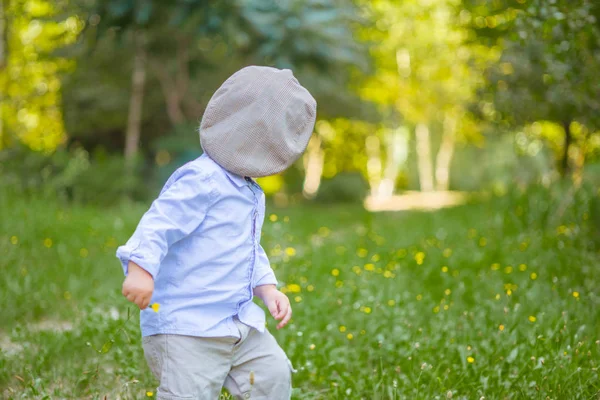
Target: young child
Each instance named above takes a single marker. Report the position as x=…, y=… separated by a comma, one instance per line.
x=196, y=253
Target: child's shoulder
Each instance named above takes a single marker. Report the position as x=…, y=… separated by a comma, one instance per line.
x=202, y=167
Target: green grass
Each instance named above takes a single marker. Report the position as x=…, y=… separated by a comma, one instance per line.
x=497, y=299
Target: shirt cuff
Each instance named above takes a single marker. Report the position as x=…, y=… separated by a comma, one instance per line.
x=129, y=253
x=267, y=279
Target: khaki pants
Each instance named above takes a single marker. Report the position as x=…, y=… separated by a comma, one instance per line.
x=253, y=367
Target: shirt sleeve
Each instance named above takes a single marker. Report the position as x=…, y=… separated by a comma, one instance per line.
x=264, y=274
x=177, y=212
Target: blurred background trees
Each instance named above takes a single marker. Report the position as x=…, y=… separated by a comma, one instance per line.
x=413, y=94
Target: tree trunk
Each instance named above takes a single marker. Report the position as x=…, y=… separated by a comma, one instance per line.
x=424, y=158
x=565, y=160
x=313, y=167
x=445, y=153
x=396, y=143
x=3, y=41
x=136, y=100
x=372, y=146
x=175, y=87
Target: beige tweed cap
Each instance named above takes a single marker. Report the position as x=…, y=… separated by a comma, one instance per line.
x=258, y=122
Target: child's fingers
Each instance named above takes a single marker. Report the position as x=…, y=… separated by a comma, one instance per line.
x=131, y=297
x=273, y=309
x=283, y=309
x=286, y=319
x=146, y=303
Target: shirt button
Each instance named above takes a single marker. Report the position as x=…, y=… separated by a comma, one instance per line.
x=246, y=395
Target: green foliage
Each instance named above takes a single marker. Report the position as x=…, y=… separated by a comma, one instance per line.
x=345, y=187
x=99, y=179
x=496, y=300
x=30, y=87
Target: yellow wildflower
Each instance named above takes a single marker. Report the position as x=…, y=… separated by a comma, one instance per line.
x=294, y=288
x=470, y=359
x=155, y=307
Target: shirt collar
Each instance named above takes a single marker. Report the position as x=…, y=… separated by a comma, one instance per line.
x=238, y=180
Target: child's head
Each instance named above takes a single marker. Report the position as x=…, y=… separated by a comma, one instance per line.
x=258, y=122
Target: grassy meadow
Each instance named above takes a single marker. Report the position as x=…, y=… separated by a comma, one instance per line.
x=499, y=299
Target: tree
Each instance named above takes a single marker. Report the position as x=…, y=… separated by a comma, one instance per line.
x=306, y=34
x=549, y=68
x=425, y=73
x=30, y=95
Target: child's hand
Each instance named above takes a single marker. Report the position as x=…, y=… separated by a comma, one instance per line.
x=138, y=285
x=277, y=303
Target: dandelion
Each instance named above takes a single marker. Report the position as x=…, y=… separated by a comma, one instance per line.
x=362, y=253
x=350, y=336
x=391, y=303
x=290, y=251
x=273, y=218
x=420, y=257
x=497, y=296
x=447, y=292
x=388, y=274
x=501, y=327
x=339, y=284
x=369, y=267
x=470, y=360
x=495, y=267
x=335, y=272
x=419, y=297
x=522, y=267
x=342, y=328
x=482, y=242
x=312, y=346
x=444, y=269
x=363, y=332
x=508, y=269
x=376, y=258
x=298, y=299
x=576, y=295
x=48, y=242
x=149, y=394
x=14, y=239
x=532, y=318
x=533, y=276
x=155, y=307
x=367, y=310
x=436, y=309
x=294, y=288
x=446, y=307
x=310, y=288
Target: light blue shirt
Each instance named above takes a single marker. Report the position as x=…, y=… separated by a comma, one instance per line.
x=200, y=241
